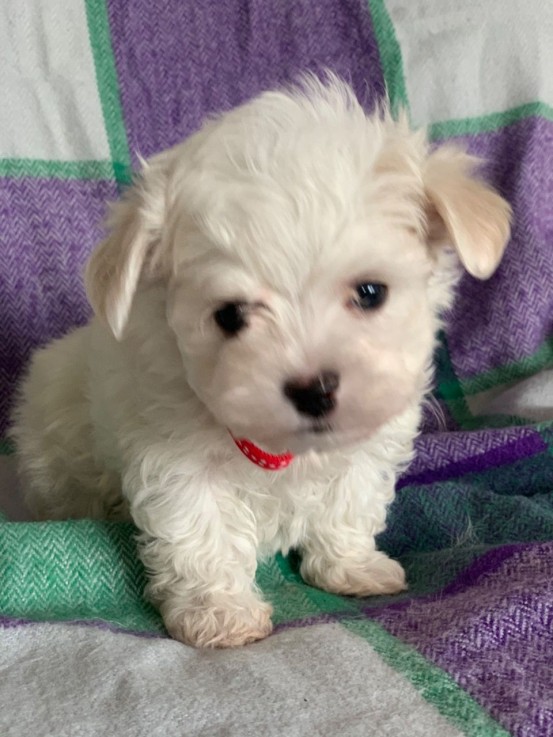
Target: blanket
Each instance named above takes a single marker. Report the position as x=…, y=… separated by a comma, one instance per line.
x=88, y=86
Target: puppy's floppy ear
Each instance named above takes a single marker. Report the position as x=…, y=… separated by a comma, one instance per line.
x=133, y=244
x=465, y=212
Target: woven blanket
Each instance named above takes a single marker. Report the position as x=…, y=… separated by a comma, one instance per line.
x=89, y=85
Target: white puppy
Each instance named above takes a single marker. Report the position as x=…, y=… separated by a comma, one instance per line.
x=276, y=279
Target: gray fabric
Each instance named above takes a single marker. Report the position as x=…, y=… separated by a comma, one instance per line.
x=531, y=399
x=62, y=680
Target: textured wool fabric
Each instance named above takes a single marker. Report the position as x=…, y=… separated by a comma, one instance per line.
x=53, y=110
x=505, y=39
x=325, y=681
x=87, y=86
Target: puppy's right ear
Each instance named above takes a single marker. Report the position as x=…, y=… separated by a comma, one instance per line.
x=134, y=241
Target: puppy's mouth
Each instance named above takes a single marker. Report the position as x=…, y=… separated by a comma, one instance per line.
x=317, y=428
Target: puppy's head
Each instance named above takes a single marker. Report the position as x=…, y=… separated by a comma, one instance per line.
x=307, y=251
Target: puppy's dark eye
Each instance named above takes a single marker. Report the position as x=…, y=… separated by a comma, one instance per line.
x=231, y=317
x=369, y=295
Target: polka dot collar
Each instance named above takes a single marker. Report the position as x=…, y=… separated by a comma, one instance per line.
x=261, y=458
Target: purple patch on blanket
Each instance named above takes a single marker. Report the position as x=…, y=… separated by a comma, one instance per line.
x=49, y=227
x=509, y=317
x=179, y=61
x=449, y=454
x=491, y=631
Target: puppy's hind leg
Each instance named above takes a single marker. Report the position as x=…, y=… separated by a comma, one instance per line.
x=54, y=440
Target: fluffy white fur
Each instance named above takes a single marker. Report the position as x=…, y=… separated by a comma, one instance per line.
x=285, y=203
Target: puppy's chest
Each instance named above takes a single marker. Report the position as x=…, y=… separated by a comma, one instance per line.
x=285, y=510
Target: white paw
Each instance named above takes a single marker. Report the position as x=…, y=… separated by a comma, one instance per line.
x=378, y=574
x=218, y=625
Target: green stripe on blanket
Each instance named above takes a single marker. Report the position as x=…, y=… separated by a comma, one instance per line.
x=41, y=168
x=434, y=685
x=492, y=122
x=88, y=571
x=108, y=87
x=73, y=570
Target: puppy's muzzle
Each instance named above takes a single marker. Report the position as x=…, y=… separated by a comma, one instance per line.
x=316, y=397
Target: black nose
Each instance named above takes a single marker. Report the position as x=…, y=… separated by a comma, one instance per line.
x=316, y=397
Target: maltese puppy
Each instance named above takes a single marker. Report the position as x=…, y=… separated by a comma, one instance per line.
x=266, y=306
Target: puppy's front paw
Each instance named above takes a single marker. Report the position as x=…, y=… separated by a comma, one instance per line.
x=377, y=574
x=217, y=625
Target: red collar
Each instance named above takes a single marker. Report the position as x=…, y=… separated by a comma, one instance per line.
x=261, y=458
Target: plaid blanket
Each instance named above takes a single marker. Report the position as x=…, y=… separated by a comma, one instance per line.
x=87, y=86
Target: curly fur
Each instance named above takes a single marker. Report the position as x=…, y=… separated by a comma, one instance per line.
x=284, y=203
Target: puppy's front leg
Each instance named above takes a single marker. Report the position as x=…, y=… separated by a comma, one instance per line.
x=339, y=550
x=198, y=543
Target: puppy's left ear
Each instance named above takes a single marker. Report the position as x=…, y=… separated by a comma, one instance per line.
x=465, y=212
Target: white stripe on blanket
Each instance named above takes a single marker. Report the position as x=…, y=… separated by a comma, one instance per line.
x=467, y=59
x=78, y=681
x=50, y=104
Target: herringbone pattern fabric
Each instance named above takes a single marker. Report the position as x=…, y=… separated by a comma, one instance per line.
x=73, y=570
x=90, y=84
